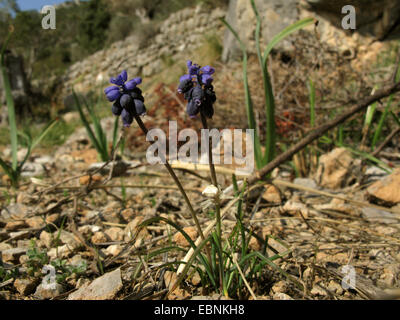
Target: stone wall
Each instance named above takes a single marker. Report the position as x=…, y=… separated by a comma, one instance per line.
x=182, y=31
x=374, y=19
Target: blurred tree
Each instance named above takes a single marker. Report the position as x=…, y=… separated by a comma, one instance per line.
x=28, y=37
x=8, y=7
x=93, y=25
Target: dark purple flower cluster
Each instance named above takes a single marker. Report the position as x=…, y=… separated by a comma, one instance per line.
x=127, y=97
x=198, y=90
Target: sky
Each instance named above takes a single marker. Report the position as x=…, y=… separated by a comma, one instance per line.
x=36, y=4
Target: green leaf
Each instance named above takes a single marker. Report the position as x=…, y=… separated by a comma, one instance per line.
x=44, y=132
x=190, y=262
x=86, y=124
x=381, y=122
x=284, y=33
x=395, y=118
x=165, y=250
x=270, y=135
x=188, y=239
x=369, y=157
x=249, y=104
x=385, y=114
x=276, y=267
x=100, y=135
x=10, y=105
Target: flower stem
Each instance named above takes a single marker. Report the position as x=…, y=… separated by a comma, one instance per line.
x=176, y=180
x=216, y=199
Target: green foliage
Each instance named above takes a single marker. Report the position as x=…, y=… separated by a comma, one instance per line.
x=58, y=135
x=37, y=259
x=384, y=116
x=14, y=169
x=63, y=270
x=7, y=274
x=80, y=31
x=24, y=22
x=270, y=136
x=98, y=136
x=222, y=271
x=93, y=25
x=9, y=6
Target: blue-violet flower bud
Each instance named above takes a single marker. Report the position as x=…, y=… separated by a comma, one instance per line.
x=197, y=89
x=127, y=97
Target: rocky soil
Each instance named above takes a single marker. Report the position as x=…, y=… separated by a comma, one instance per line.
x=340, y=217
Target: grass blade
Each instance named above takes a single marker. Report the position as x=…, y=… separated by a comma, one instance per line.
x=188, y=239
x=101, y=137
x=270, y=137
x=280, y=270
x=381, y=122
x=43, y=133
x=10, y=104
x=189, y=263
x=284, y=33
x=87, y=125
x=249, y=104
x=385, y=114
x=164, y=250
x=371, y=158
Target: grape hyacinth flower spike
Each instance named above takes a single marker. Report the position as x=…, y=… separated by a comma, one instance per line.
x=199, y=93
x=197, y=90
x=127, y=98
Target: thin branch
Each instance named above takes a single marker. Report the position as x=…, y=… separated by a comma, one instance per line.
x=242, y=275
x=321, y=130
x=385, y=142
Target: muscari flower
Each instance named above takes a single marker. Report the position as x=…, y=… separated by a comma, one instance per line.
x=127, y=98
x=198, y=90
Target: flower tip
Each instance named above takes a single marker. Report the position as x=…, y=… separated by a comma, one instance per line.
x=124, y=75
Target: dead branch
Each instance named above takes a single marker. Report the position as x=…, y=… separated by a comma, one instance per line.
x=321, y=130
